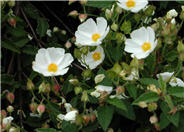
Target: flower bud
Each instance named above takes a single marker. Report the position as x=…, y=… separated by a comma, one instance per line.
x=114, y=27
x=71, y=1
x=77, y=53
x=99, y=78
x=137, y=17
x=171, y=14
x=84, y=50
x=142, y=104
x=92, y=117
x=152, y=107
x=87, y=73
x=11, y=3
x=120, y=90
x=33, y=106
x=74, y=81
x=182, y=15
x=14, y=129
x=84, y=97
x=126, y=27
x=73, y=13
x=153, y=88
x=3, y=114
x=77, y=90
x=41, y=109
x=86, y=118
x=82, y=17
x=180, y=47
x=44, y=87
x=63, y=32
x=30, y=85
x=150, y=10
x=108, y=14
x=83, y=2
x=68, y=45
x=10, y=109
x=10, y=97
x=56, y=88
x=55, y=29
x=120, y=38
x=117, y=68
x=119, y=10
x=110, y=130
x=12, y=22
x=153, y=119
x=6, y=122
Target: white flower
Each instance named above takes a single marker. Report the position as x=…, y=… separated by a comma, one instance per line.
x=94, y=58
x=70, y=116
x=134, y=75
x=132, y=5
x=166, y=76
x=123, y=96
x=173, y=21
x=68, y=107
x=142, y=42
x=91, y=33
x=171, y=14
x=95, y=94
x=99, y=78
x=52, y=61
x=101, y=88
x=7, y=121
x=49, y=32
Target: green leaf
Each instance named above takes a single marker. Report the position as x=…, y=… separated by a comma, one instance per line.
x=148, y=81
x=129, y=113
x=106, y=81
x=42, y=26
x=146, y=97
x=17, y=32
x=30, y=50
x=7, y=79
x=105, y=114
x=69, y=127
x=20, y=43
x=174, y=119
x=31, y=11
x=53, y=111
x=118, y=103
x=176, y=91
x=10, y=46
x=172, y=55
x=46, y=130
x=100, y=4
x=132, y=90
x=67, y=87
x=164, y=122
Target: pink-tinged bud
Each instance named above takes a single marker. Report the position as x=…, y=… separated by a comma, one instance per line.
x=10, y=109
x=82, y=17
x=83, y=2
x=56, y=88
x=3, y=113
x=153, y=119
x=41, y=109
x=86, y=118
x=68, y=44
x=33, y=107
x=93, y=117
x=73, y=13
x=120, y=90
x=12, y=22
x=10, y=97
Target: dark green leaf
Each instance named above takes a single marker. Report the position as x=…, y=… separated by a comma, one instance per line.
x=164, y=122
x=53, y=111
x=148, y=81
x=132, y=90
x=100, y=4
x=10, y=46
x=42, y=26
x=46, y=130
x=20, y=43
x=118, y=103
x=30, y=50
x=147, y=97
x=176, y=91
x=105, y=114
x=69, y=127
x=67, y=87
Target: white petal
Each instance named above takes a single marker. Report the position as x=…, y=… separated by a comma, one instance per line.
x=102, y=88
x=56, y=54
x=71, y=116
x=67, y=60
x=165, y=76
x=101, y=25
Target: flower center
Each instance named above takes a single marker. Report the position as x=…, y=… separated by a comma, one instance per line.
x=96, y=56
x=52, y=67
x=130, y=3
x=95, y=37
x=146, y=46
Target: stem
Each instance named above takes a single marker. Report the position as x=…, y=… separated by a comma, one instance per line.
x=51, y=12
x=35, y=96
x=29, y=24
x=79, y=67
x=54, y=78
x=11, y=63
x=84, y=8
x=124, y=17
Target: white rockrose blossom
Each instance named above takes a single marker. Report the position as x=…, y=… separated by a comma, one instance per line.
x=134, y=75
x=132, y=5
x=93, y=59
x=171, y=14
x=68, y=107
x=69, y=116
x=6, y=122
x=92, y=33
x=100, y=89
x=52, y=61
x=142, y=42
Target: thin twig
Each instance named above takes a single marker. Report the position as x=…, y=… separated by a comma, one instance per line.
x=58, y=85
x=59, y=19
x=11, y=63
x=78, y=66
x=34, y=34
